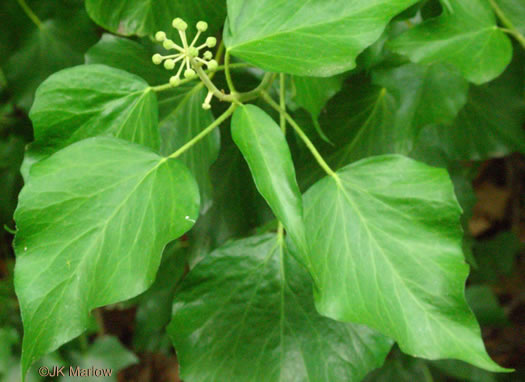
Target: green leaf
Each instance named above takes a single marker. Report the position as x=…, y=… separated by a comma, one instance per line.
x=105, y=353
x=401, y=369
x=92, y=222
x=154, y=309
x=246, y=313
x=184, y=122
x=91, y=100
x=142, y=18
x=57, y=44
x=466, y=35
x=385, y=251
x=317, y=38
x=490, y=124
x=386, y=117
x=264, y=147
x=128, y=55
x=312, y=93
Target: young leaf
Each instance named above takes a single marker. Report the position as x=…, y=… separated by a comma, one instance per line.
x=466, y=35
x=184, y=122
x=142, y=18
x=91, y=225
x=246, y=313
x=264, y=147
x=90, y=100
x=385, y=249
x=315, y=38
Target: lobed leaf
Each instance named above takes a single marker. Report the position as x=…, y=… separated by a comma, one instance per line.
x=92, y=222
x=466, y=35
x=316, y=38
x=246, y=313
x=386, y=251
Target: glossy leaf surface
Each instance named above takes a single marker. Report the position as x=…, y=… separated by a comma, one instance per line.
x=92, y=222
x=246, y=313
x=386, y=251
x=91, y=100
x=142, y=18
x=465, y=35
x=264, y=147
x=308, y=38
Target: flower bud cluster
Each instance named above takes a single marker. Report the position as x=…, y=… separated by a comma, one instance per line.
x=187, y=53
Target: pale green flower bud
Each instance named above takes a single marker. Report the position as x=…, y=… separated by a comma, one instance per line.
x=160, y=36
x=202, y=26
x=211, y=42
x=179, y=24
x=189, y=73
x=169, y=64
x=174, y=81
x=208, y=55
x=212, y=65
x=157, y=59
x=168, y=44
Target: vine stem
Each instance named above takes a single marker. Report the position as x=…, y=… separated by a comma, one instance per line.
x=282, y=102
x=302, y=135
x=510, y=28
x=204, y=132
x=29, y=12
x=164, y=87
x=227, y=67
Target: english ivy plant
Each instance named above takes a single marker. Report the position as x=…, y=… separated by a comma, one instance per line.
x=304, y=149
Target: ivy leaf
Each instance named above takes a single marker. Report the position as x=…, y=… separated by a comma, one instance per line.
x=55, y=45
x=142, y=18
x=105, y=353
x=246, y=313
x=92, y=222
x=490, y=125
x=466, y=35
x=312, y=93
x=386, y=117
x=91, y=100
x=317, y=38
x=264, y=147
x=184, y=122
x=386, y=251
x=135, y=58
x=154, y=307
x=123, y=53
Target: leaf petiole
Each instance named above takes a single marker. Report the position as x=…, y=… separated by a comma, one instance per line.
x=265, y=96
x=509, y=26
x=204, y=132
x=29, y=12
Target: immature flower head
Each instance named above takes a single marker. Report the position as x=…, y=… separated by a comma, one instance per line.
x=187, y=53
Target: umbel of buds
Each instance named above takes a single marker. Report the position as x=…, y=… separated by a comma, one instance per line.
x=186, y=54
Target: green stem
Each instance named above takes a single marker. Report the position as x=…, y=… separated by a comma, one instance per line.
x=29, y=12
x=302, y=135
x=164, y=87
x=229, y=81
x=205, y=132
x=511, y=29
x=282, y=102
